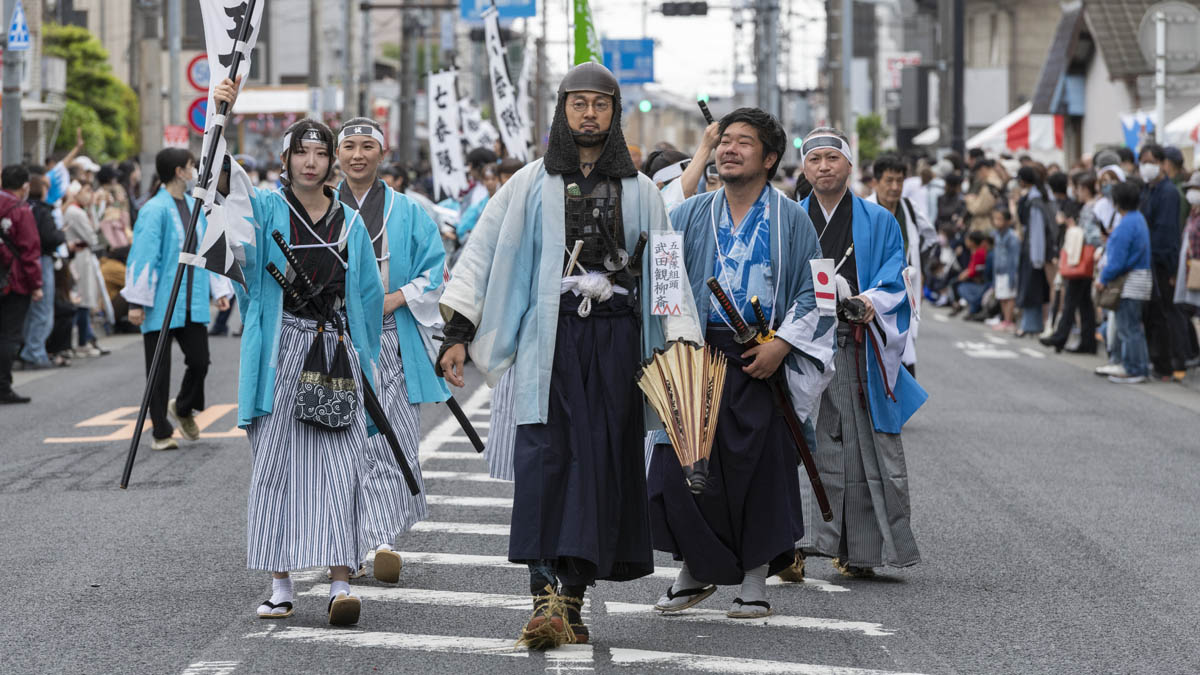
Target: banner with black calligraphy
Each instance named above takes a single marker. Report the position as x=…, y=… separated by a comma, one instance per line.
x=478, y=132
x=666, y=273
x=510, y=119
x=445, y=144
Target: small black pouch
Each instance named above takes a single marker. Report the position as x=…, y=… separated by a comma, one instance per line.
x=326, y=395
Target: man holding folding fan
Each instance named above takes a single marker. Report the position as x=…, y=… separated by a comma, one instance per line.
x=756, y=243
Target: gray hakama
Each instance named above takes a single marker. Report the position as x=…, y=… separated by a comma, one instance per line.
x=864, y=474
x=386, y=508
x=302, y=502
x=502, y=432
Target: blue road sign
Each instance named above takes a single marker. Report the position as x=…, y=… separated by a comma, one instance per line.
x=18, y=30
x=632, y=61
x=470, y=10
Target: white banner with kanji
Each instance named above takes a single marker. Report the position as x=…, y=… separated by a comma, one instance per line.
x=445, y=144
x=666, y=274
x=478, y=132
x=508, y=115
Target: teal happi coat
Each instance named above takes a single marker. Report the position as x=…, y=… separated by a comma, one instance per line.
x=262, y=302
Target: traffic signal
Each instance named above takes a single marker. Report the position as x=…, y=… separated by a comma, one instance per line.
x=645, y=105
x=685, y=9
x=703, y=98
x=797, y=142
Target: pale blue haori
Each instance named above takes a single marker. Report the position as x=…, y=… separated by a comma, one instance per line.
x=879, y=255
x=516, y=257
x=154, y=260
x=262, y=303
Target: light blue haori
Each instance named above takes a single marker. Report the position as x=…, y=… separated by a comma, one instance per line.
x=154, y=260
x=508, y=281
x=791, y=242
x=413, y=263
x=262, y=303
x=879, y=256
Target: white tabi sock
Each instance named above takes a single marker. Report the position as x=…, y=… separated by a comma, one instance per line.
x=685, y=581
x=281, y=590
x=338, y=587
x=754, y=584
x=385, y=547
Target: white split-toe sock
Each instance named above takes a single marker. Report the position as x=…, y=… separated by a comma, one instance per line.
x=281, y=592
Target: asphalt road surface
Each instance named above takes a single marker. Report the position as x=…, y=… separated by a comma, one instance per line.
x=1056, y=515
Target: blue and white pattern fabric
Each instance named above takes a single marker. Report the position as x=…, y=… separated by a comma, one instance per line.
x=502, y=432
x=743, y=261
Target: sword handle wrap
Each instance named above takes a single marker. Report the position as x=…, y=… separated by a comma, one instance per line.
x=283, y=282
x=708, y=117
x=765, y=334
x=290, y=256
x=744, y=334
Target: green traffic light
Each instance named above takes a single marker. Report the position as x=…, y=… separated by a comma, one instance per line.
x=702, y=97
x=645, y=106
x=797, y=142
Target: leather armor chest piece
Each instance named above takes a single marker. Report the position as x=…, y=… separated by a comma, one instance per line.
x=595, y=219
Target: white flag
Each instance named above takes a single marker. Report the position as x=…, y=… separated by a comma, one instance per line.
x=509, y=117
x=221, y=250
x=824, y=285
x=525, y=85
x=445, y=144
x=478, y=132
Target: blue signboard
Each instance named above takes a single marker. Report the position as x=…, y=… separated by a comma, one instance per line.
x=632, y=61
x=509, y=9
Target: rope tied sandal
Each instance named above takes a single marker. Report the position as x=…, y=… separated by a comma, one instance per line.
x=547, y=627
x=852, y=571
x=574, y=607
x=795, y=572
x=287, y=608
x=684, y=599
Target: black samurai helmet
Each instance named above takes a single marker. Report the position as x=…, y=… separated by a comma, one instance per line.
x=562, y=155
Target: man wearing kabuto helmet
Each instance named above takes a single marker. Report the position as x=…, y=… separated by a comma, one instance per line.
x=551, y=286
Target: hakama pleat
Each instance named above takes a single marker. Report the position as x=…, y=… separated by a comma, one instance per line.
x=750, y=513
x=864, y=475
x=303, y=490
x=580, y=491
x=386, y=508
x=502, y=432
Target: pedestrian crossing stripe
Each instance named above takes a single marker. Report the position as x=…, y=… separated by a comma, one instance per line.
x=18, y=30
x=423, y=596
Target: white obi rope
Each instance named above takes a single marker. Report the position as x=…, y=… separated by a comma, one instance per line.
x=592, y=286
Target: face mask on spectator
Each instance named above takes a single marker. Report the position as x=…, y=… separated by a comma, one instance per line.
x=1148, y=171
x=1193, y=197
x=191, y=182
x=1106, y=190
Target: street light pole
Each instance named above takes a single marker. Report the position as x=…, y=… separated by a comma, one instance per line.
x=11, y=133
x=1160, y=75
x=958, y=139
x=174, y=23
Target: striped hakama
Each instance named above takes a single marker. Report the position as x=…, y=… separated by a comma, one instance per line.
x=863, y=472
x=302, y=502
x=386, y=508
x=502, y=432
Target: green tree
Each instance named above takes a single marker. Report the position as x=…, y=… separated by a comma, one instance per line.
x=871, y=134
x=99, y=103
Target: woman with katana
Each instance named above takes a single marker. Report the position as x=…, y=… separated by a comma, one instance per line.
x=309, y=454
x=408, y=248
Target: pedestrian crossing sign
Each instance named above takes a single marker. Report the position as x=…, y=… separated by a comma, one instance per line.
x=18, y=30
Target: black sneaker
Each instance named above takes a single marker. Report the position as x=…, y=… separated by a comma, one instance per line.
x=11, y=396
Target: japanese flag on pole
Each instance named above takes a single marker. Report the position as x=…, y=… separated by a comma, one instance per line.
x=824, y=285
x=229, y=227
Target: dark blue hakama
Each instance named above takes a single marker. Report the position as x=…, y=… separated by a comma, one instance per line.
x=751, y=513
x=579, y=501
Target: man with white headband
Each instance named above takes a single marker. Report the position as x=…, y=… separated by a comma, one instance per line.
x=858, y=451
x=758, y=244
x=573, y=321
x=411, y=259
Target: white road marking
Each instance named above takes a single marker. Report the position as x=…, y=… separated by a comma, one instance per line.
x=937, y=316
x=422, y=596
x=453, y=644
x=773, y=621
x=983, y=350
x=475, y=476
x=453, y=455
x=490, y=529
x=448, y=430
x=211, y=668
x=995, y=340
x=469, y=560
x=1029, y=351
x=454, y=500
x=728, y=664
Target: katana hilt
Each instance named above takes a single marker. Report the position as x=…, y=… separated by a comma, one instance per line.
x=635, y=261
x=743, y=332
x=708, y=117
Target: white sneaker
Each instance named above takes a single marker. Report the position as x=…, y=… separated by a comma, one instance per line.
x=164, y=444
x=1112, y=369
x=994, y=321
x=1130, y=379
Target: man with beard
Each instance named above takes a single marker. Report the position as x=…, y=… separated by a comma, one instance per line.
x=758, y=244
x=574, y=328
x=858, y=451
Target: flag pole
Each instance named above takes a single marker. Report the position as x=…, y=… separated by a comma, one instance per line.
x=189, y=244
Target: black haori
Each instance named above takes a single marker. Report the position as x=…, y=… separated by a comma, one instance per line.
x=579, y=502
x=750, y=513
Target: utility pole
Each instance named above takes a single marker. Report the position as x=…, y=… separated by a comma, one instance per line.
x=766, y=54
x=11, y=134
x=408, y=87
x=847, y=26
x=315, y=85
x=150, y=92
x=365, y=105
x=958, y=138
x=174, y=24
x=350, y=102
